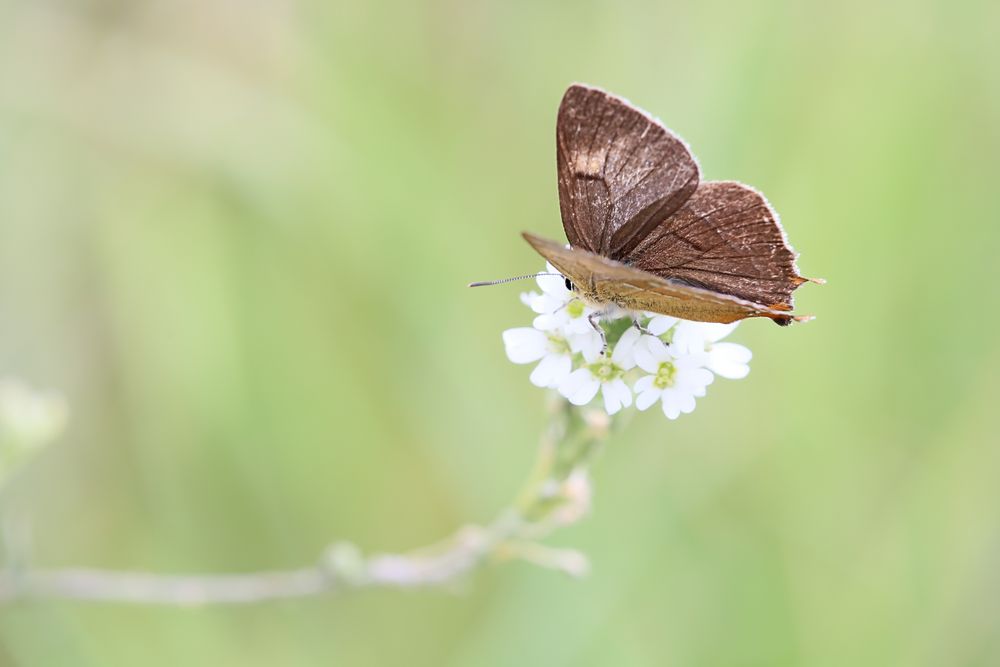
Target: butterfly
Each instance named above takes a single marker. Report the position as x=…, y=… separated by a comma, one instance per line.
x=646, y=234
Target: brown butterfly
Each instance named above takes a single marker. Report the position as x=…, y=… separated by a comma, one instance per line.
x=647, y=235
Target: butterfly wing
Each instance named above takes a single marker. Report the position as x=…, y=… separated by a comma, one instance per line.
x=604, y=281
x=725, y=238
x=620, y=172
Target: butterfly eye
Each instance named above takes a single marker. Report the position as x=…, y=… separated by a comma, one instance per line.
x=569, y=285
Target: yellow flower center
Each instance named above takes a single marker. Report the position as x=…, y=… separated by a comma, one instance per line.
x=606, y=370
x=665, y=375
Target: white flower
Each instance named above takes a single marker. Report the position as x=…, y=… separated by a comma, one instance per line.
x=678, y=359
x=525, y=345
x=728, y=360
x=29, y=417
x=558, y=308
x=660, y=324
x=673, y=379
x=692, y=336
x=604, y=375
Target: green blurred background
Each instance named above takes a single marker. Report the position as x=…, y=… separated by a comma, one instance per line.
x=236, y=235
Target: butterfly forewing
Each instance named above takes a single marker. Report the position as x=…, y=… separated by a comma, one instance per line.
x=725, y=238
x=620, y=172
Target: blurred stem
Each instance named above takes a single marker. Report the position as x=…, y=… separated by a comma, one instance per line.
x=556, y=494
x=567, y=445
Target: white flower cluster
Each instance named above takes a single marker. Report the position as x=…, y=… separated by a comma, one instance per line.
x=672, y=361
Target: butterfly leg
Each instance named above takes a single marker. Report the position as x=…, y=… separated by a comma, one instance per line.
x=642, y=329
x=593, y=319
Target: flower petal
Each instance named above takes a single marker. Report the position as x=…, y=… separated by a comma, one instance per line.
x=546, y=322
x=624, y=355
x=543, y=304
x=645, y=383
x=693, y=336
x=713, y=332
x=528, y=298
x=647, y=398
x=689, y=360
x=588, y=344
x=693, y=380
x=685, y=402
x=650, y=352
x=616, y=395
x=580, y=386
x=660, y=324
x=554, y=285
x=579, y=324
x=573, y=381
x=729, y=360
x=670, y=407
x=551, y=370
x=524, y=345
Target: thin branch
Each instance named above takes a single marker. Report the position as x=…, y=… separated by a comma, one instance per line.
x=187, y=590
x=343, y=567
x=555, y=495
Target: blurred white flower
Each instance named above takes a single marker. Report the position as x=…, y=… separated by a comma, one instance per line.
x=28, y=417
x=575, y=493
x=674, y=380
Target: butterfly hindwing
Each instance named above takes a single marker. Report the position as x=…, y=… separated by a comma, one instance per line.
x=726, y=238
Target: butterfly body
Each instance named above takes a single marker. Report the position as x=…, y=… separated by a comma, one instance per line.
x=646, y=234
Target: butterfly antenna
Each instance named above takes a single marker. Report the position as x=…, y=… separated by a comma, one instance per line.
x=487, y=283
